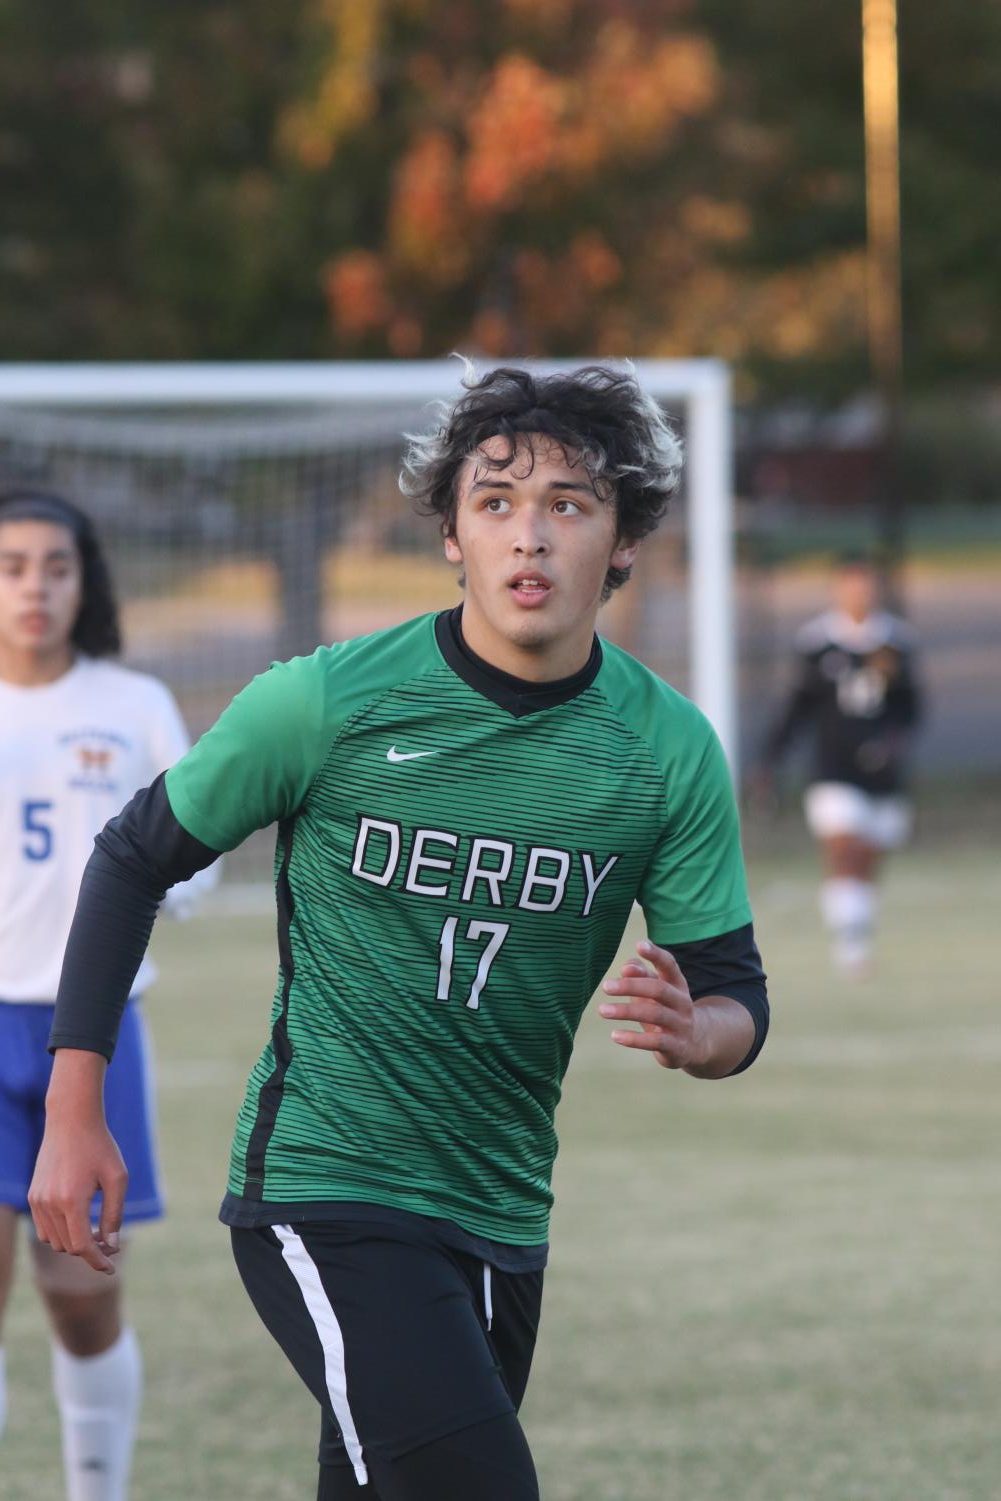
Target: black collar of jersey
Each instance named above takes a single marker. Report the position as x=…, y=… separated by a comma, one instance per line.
x=515, y=695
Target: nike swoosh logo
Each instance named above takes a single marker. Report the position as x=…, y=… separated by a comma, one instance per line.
x=394, y=755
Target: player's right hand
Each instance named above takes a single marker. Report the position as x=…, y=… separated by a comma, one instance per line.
x=76, y=1161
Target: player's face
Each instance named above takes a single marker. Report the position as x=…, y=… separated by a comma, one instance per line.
x=535, y=541
x=855, y=592
x=41, y=589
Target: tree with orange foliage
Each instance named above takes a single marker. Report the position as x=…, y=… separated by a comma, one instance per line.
x=507, y=222
x=401, y=177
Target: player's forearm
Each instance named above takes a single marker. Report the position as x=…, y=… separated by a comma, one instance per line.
x=727, y=1035
x=725, y=971
x=76, y=1087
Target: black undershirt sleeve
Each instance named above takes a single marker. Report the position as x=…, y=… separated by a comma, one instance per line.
x=137, y=856
x=728, y=964
x=796, y=713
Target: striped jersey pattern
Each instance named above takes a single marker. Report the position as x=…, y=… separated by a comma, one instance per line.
x=453, y=880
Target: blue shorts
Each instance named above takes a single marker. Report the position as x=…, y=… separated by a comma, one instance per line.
x=25, y=1066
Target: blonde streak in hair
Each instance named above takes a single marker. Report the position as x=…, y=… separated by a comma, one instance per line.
x=470, y=377
x=423, y=451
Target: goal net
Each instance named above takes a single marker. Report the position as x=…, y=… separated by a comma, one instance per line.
x=251, y=512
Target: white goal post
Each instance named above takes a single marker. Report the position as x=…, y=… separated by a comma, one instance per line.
x=701, y=387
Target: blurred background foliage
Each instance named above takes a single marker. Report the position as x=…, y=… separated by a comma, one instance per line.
x=329, y=178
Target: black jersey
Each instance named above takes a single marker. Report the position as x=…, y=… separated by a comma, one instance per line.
x=855, y=686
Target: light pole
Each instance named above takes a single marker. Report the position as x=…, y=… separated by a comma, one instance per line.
x=883, y=315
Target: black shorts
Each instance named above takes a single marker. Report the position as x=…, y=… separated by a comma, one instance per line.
x=400, y=1338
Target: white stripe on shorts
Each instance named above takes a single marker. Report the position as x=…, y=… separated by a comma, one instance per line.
x=304, y=1270
x=488, y=1296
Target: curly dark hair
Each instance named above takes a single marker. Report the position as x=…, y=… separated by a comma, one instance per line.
x=96, y=632
x=597, y=414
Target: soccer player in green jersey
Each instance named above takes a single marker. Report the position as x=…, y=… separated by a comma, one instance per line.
x=467, y=806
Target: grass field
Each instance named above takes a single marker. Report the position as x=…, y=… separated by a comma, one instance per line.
x=779, y=1288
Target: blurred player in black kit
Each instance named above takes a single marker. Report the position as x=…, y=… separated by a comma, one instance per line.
x=855, y=688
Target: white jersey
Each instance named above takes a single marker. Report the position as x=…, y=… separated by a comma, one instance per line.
x=72, y=753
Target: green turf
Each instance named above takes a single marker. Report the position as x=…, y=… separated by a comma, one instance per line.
x=779, y=1288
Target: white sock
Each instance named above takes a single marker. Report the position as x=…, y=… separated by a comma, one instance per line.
x=98, y=1398
x=848, y=906
x=3, y=1391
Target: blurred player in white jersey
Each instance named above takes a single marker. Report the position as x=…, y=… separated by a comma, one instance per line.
x=79, y=735
x=855, y=688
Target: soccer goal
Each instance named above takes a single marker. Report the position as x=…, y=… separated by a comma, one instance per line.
x=252, y=510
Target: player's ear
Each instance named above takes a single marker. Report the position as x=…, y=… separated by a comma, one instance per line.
x=453, y=552
x=624, y=555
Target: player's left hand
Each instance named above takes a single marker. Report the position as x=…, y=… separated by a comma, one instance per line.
x=656, y=995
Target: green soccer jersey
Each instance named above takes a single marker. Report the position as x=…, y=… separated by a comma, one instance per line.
x=456, y=863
